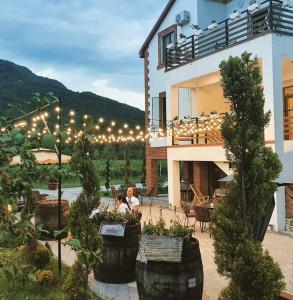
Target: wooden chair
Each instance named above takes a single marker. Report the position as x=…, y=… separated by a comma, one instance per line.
x=188, y=212
x=149, y=194
x=198, y=196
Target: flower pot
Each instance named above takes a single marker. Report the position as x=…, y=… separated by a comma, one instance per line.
x=119, y=256
x=52, y=186
x=47, y=214
x=176, y=280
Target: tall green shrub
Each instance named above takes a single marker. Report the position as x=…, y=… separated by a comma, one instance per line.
x=81, y=226
x=253, y=273
x=126, y=167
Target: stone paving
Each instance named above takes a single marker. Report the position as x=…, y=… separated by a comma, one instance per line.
x=280, y=246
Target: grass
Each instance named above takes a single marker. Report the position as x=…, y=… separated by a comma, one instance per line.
x=14, y=289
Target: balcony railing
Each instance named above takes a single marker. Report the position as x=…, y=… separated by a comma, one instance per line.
x=271, y=16
x=288, y=128
x=203, y=130
x=199, y=130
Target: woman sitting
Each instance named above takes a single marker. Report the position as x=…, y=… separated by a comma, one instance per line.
x=121, y=204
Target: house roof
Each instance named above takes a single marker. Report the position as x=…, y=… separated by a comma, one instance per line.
x=156, y=27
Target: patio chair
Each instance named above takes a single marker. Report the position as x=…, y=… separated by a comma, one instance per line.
x=203, y=215
x=149, y=194
x=188, y=212
x=198, y=197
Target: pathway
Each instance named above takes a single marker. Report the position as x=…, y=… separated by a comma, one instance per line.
x=279, y=245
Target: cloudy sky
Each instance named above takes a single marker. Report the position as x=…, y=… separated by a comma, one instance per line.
x=88, y=45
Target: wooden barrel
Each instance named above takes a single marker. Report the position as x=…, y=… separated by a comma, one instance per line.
x=119, y=257
x=172, y=281
x=47, y=214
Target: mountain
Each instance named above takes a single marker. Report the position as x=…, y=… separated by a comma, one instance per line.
x=18, y=84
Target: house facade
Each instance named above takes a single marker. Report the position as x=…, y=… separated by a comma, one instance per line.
x=184, y=100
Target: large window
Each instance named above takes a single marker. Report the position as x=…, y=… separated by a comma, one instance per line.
x=165, y=38
x=159, y=112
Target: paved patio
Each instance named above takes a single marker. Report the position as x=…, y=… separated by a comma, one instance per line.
x=280, y=246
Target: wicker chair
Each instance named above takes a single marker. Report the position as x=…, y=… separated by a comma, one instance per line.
x=188, y=212
x=203, y=215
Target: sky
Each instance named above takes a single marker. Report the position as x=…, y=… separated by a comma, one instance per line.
x=88, y=45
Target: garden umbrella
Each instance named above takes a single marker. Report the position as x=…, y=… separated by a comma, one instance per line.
x=43, y=157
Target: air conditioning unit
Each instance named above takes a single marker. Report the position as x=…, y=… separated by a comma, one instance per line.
x=183, y=18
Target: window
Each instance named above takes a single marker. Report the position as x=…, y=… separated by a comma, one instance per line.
x=165, y=38
x=159, y=119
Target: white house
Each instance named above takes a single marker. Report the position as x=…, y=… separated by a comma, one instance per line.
x=184, y=99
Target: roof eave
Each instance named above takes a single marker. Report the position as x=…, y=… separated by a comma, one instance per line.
x=155, y=28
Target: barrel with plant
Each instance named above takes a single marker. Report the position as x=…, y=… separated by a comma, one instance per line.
x=119, y=252
x=169, y=264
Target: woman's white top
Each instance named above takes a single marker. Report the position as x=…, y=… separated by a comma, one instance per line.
x=123, y=208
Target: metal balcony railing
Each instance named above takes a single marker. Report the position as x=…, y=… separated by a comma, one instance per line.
x=271, y=16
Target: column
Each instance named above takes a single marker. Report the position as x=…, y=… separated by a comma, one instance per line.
x=173, y=183
x=273, y=91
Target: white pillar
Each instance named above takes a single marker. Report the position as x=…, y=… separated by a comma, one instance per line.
x=173, y=183
x=273, y=91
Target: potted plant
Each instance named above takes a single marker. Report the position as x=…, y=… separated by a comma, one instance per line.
x=213, y=25
x=234, y=15
x=121, y=234
x=52, y=177
x=169, y=262
x=197, y=30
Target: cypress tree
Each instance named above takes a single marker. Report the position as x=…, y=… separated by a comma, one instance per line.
x=253, y=273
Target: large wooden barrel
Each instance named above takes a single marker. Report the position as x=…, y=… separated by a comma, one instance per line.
x=119, y=257
x=47, y=214
x=172, y=281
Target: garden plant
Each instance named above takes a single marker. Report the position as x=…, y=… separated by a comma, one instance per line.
x=239, y=256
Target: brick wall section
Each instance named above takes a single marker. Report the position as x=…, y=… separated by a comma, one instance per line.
x=153, y=154
x=200, y=176
x=146, y=90
x=289, y=201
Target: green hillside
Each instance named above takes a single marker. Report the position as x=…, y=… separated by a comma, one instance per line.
x=18, y=84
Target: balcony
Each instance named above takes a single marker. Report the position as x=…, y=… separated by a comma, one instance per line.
x=206, y=130
x=198, y=130
x=270, y=16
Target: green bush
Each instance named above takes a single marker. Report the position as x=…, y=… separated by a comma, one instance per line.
x=40, y=257
x=73, y=286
